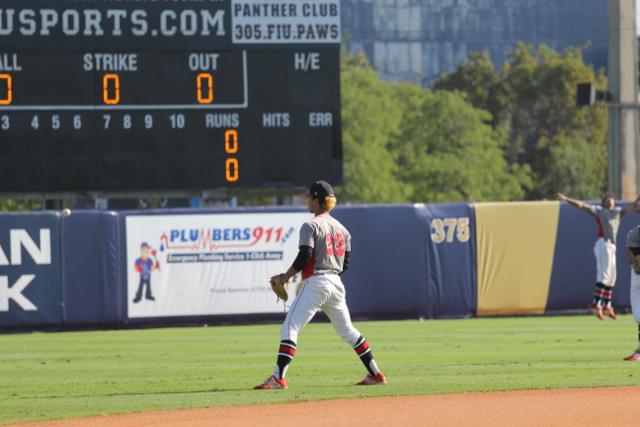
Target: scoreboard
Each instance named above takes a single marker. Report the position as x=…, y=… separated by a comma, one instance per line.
x=131, y=95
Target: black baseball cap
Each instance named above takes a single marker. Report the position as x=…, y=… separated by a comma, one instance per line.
x=320, y=190
x=608, y=196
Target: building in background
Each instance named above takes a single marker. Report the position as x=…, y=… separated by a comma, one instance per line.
x=418, y=40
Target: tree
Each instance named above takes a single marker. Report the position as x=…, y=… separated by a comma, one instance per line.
x=560, y=123
x=448, y=152
x=12, y=205
x=533, y=99
x=478, y=80
x=370, y=116
x=405, y=143
x=575, y=167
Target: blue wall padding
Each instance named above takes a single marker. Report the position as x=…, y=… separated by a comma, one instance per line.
x=91, y=268
x=451, y=265
x=387, y=276
x=45, y=290
x=398, y=269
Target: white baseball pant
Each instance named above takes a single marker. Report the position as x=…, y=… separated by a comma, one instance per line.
x=605, y=253
x=635, y=295
x=320, y=292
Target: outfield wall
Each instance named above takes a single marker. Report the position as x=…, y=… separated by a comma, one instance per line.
x=408, y=261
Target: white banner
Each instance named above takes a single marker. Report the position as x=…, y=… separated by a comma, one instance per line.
x=285, y=21
x=191, y=265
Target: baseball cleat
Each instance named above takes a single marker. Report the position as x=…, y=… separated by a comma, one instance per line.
x=611, y=313
x=373, y=379
x=597, y=310
x=634, y=357
x=272, y=383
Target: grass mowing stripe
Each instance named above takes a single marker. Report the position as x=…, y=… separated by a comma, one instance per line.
x=62, y=375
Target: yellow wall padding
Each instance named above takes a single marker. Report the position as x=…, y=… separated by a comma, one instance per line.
x=515, y=244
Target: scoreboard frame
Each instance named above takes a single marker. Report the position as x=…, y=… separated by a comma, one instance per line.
x=90, y=104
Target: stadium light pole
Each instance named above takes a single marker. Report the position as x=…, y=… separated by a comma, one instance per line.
x=624, y=175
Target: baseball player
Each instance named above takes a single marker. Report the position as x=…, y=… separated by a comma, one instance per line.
x=633, y=251
x=608, y=219
x=324, y=252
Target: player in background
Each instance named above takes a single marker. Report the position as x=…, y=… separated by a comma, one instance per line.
x=608, y=217
x=633, y=252
x=324, y=253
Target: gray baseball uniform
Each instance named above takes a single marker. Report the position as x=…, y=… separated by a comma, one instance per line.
x=325, y=248
x=633, y=241
x=608, y=221
x=605, y=247
x=322, y=288
x=329, y=240
x=633, y=238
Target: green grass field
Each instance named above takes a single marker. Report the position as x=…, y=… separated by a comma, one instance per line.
x=72, y=374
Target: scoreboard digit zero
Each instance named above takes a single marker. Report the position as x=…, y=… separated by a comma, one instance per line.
x=118, y=96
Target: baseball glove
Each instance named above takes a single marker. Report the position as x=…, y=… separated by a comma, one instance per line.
x=633, y=261
x=277, y=285
x=635, y=265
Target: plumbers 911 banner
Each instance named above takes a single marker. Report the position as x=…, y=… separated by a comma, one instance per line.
x=198, y=265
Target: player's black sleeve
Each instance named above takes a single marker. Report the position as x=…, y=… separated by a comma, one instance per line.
x=635, y=251
x=345, y=264
x=305, y=253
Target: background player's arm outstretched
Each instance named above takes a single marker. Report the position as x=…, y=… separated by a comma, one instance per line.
x=577, y=203
x=633, y=207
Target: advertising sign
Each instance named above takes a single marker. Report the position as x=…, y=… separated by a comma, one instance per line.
x=207, y=264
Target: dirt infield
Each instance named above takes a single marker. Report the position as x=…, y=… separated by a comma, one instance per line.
x=584, y=407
